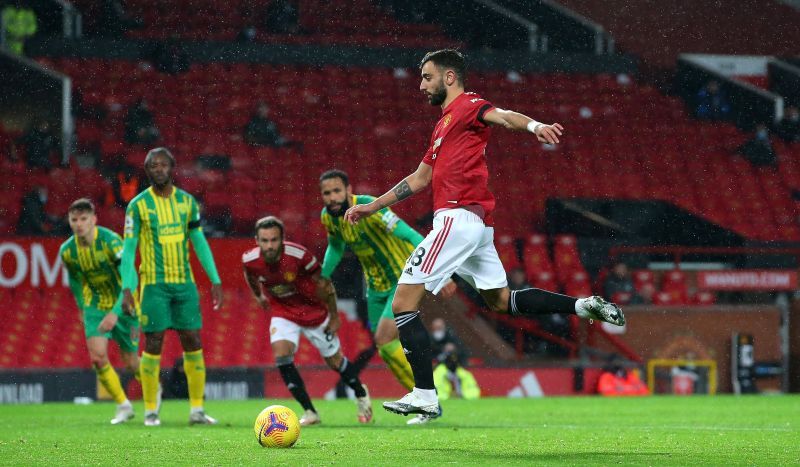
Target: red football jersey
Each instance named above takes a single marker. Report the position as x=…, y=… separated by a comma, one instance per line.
x=288, y=284
x=457, y=154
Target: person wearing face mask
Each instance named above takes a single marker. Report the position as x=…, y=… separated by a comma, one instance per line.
x=442, y=337
x=789, y=126
x=453, y=380
x=758, y=150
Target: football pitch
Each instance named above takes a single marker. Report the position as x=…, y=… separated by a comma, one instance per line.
x=721, y=430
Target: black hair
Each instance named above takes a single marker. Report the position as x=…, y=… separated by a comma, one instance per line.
x=335, y=173
x=269, y=222
x=447, y=59
x=151, y=153
x=82, y=205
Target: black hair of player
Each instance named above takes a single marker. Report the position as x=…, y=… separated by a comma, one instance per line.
x=81, y=205
x=269, y=222
x=153, y=152
x=335, y=173
x=448, y=59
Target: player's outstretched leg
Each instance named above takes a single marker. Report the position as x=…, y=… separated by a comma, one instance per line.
x=294, y=383
x=417, y=345
x=537, y=301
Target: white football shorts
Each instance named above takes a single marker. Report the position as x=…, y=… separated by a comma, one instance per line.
x=281, y=329
x=460, y=243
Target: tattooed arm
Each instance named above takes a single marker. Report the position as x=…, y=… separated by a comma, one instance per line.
x=407, y=187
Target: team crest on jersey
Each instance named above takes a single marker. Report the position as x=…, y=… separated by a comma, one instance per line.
x=447, y=120
x=289, y=276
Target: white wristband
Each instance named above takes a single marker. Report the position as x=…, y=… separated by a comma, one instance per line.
x=533, y=125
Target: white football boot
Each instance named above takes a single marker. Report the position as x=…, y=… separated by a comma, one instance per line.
x=199, y=417
x=364, y=405
x=124, y=413
x=422, y=419
x=413, y=403
x=310, y=418
x=597, y=308
x=151, y=419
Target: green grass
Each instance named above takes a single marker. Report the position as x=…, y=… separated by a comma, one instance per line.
x=720, y=430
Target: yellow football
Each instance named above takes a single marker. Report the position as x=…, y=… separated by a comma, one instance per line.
x=277, y=427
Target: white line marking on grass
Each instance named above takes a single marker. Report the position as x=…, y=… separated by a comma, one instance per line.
x=676, y=427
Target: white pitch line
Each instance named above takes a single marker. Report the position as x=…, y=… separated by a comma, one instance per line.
x=675, y=427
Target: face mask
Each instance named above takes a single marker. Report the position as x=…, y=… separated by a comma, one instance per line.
x=438, y=335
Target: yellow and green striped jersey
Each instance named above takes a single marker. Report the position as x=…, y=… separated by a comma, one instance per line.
x=95, y=268
x=381, y=253
x=162, y=226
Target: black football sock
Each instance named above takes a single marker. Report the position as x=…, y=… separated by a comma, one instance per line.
x=417, y=347
x=363, y=358
x=294, y=383
x=539, y=302
x=350, y=377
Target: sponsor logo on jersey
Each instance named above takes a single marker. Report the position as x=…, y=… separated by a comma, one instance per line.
x=408, y=271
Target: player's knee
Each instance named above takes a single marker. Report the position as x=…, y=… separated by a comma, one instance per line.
x=498, y=306
x=384, y=335
x=334, y=361
x=281, y=360
x=99, y=360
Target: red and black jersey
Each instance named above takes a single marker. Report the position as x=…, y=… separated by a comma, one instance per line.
x=288, y=284
x=457, y=154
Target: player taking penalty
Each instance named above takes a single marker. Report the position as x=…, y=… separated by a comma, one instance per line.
x=382, y=242
x=285, y=280
x=161, y=221
x=92, y=257
x=462, y=239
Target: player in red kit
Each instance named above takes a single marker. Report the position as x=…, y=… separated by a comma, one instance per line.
x=462, y=239
x=285, y=280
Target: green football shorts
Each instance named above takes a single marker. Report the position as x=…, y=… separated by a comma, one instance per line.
x=125, y=333
x=170, y=306
x=379, y=306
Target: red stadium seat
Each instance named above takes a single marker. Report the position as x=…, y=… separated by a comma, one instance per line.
x=674, y=284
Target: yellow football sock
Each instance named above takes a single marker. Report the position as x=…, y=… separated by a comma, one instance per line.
x=195, y=367
x=149, y=372
x=110, y=380
x=392, y=354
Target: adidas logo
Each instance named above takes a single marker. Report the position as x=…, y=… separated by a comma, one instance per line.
x=408, y=271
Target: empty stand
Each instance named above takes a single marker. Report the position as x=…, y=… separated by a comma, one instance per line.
x=626, y=149
x=320, y=22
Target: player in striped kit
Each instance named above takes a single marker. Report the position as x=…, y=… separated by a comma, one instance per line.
x=382, y=243
x=161, y=221
x=92, y=257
